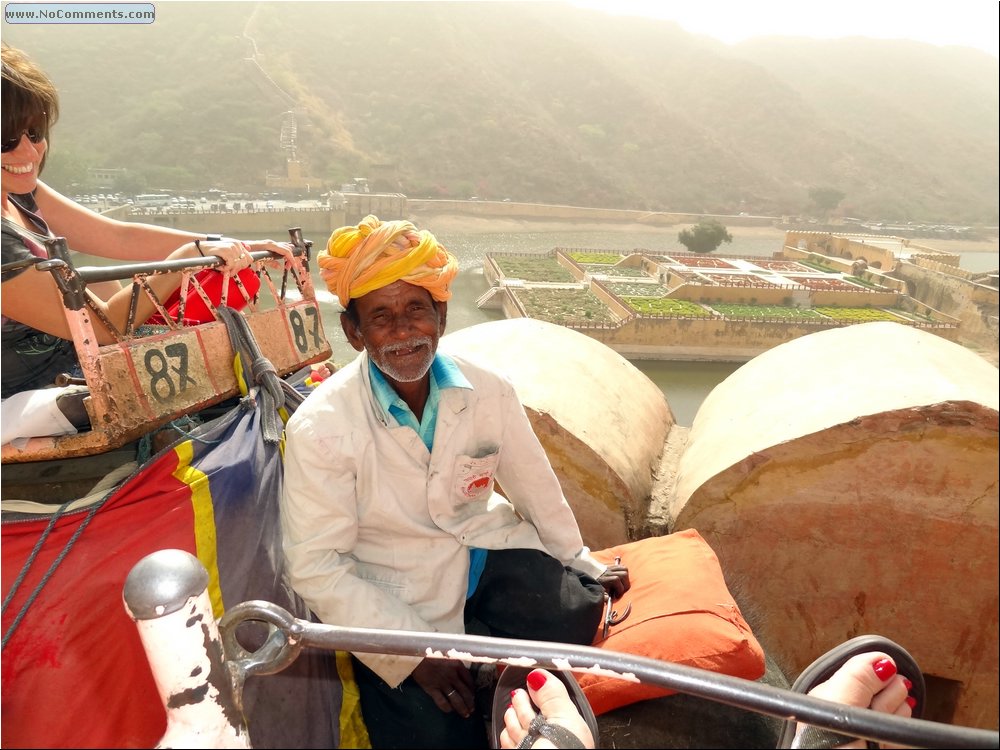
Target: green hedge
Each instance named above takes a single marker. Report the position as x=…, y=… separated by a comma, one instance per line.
x=663, y=306
x=564, y=306
x=856, y=314
x=764, y=311
x=608, y=259
x=533, y=269
x=625, y=289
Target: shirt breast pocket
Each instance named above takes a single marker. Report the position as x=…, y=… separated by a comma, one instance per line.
x=473, y=476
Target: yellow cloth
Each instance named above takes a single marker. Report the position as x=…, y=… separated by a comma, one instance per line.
x=374, y=254
x=353, y=732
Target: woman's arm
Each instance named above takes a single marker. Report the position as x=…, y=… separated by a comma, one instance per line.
x=91, y=233
x=33, y=298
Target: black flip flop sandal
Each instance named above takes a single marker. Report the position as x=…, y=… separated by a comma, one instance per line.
x=514, y=677
x=824, y=667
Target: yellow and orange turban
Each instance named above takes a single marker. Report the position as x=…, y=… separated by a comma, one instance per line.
x=374, y=254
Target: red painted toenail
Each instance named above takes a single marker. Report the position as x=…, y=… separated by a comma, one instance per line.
x=536, y=680
x=911, y=702
x=884, y=668
x=909, y=685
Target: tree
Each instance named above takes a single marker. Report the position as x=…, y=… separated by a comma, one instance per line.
x=65, y=169
x=826, y=198
x=704, y=237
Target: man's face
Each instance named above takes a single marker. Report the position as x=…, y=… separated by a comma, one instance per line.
x=399, y=325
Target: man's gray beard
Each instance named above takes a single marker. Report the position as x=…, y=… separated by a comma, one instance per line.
x=390, y=371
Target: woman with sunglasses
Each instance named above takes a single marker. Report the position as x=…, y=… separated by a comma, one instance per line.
x=36, y=339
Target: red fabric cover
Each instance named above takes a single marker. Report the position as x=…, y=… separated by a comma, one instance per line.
x=74, y=670
x=196, y=311
x=682, y=612
x=77, y=648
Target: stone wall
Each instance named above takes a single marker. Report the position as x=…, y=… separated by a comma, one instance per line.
x=975, y=305
x=712, y=339
x=316, y=224
x=319, y=222
x=945, y=268
x=698, y=339
x=545, y=212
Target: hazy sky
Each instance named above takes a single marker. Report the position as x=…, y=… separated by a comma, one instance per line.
x=968, y=23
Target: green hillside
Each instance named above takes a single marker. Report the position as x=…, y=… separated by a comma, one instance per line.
x=528, y=101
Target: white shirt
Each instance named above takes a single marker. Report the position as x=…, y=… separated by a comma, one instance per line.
x=376, y=529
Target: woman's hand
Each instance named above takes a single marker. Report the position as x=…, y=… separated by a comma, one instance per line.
x=282, y=250
x=235, y=255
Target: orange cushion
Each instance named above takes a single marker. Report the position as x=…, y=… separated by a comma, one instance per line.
x=682, y=612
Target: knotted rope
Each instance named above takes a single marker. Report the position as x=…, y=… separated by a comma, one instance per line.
x=254, y=369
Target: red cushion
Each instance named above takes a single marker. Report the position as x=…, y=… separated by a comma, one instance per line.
x=682, y=612
x=195, y=310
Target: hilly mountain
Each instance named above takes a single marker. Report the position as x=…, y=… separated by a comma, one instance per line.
x=528, y=101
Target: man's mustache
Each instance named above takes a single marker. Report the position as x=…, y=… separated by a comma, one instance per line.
x=411, y=344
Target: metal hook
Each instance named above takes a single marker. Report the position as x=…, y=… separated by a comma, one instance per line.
x=611, y=616
x=616, y=618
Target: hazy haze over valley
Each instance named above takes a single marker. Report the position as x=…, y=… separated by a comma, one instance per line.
x=528, y=101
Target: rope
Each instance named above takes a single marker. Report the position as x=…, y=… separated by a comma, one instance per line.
x=274, y=392
x=52, y=568
x=185, y=427
x=31, y=558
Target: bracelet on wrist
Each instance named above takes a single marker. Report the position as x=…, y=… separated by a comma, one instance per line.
x=208, y=238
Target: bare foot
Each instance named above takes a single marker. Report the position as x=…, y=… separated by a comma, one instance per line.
x=549, y=694
x=867, y=680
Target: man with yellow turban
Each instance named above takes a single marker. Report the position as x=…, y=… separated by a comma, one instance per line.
x=391, y=514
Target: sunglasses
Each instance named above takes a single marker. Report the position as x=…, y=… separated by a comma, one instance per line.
x=34, y=135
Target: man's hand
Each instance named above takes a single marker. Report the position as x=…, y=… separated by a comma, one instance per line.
x=615, y=580
x=449, y=683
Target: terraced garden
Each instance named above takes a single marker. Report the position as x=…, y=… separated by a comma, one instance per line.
x=542, y=268
x=737, y=279
x=818, y=266
x=625, y=273
x=564, y=306
x=779, y=265
x=865, y=283
x=912, y=315
x=817, y=284
x=636, y=289
x=766, y=312
x=608, y=259
x=663, y=306
x=701, y=261
x=857, y=314
x=580, y=306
